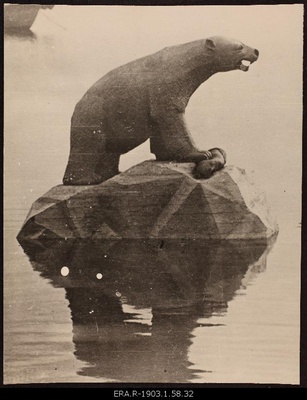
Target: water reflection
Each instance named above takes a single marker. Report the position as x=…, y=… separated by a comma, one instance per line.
x=19, y=34
x=134, y=304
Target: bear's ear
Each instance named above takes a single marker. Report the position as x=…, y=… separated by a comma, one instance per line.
x=210, y=44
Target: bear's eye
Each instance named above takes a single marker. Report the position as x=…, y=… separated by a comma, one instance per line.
x=240, y=47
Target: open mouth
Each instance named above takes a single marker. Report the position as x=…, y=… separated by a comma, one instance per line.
x=244, y=65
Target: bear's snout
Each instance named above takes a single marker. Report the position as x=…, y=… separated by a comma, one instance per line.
x=252, y=55
x=255, y=55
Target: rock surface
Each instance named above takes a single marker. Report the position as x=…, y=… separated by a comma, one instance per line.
x=154, y=200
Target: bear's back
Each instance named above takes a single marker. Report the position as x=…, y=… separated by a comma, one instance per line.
x=169, y=64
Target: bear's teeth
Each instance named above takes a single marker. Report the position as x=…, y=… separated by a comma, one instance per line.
x=246, y=63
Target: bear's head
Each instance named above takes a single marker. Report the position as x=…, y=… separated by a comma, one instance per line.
x=230, y=54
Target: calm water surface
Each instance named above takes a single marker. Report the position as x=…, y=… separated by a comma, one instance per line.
x=197, y=313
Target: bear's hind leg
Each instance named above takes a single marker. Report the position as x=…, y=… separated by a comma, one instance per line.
x=89, y=163
x=108, y=166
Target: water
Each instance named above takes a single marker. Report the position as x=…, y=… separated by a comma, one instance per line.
x=239, y=320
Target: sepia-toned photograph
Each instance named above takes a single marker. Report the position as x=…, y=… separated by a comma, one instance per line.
x=152, y=195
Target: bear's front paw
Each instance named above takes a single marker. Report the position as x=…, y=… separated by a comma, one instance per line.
x=207, y=154
x=204, y=169
x=196, y=156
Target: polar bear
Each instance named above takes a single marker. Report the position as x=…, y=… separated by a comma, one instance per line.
x=146, y=99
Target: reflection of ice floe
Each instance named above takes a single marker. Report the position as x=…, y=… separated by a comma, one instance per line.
x=258, y=266
x=156, y=272
x=171, y=285
x=20, y=35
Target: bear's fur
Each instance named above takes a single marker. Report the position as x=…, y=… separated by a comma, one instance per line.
x=146, y=99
